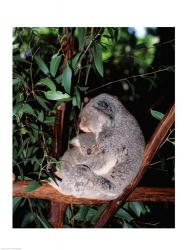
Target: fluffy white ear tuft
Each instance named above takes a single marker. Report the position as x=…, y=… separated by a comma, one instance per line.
x=75, y=142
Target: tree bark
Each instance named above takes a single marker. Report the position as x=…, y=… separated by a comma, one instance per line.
x=47, y=192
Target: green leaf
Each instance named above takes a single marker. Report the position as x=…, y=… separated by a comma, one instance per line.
x=16, y=203
x=137, y=207
x=156, y=114
x=17, y=108
x=32, y=186
x=23, y=131
x=81, y=36
x=42, y=102
x=54, y=64
x=27, y=219
x=59, y=78
x=23, y=146
x=69, y=213
x=91, y=214
x=41, y=64
x=81, y=214
x=56, y=95
x=111, y=32
x=41, y=116
x=19, y=97
x=47, y=82
x=42, y=218
x=98, y=59
x=75, y=61
x=16, y=81
x=66, y=79
x=127, y=225
x=83, y=89
x=28, y=109
x=50, y=120
x=76, y=101
x=122, y=214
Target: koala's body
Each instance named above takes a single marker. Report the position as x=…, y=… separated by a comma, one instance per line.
x=105, y=173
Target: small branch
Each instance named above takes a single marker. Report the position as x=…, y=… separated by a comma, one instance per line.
x=150, y=150
x=47, y=192
x=130, y=77
x=58, y=130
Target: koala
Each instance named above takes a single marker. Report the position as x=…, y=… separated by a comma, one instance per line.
x=107, y=170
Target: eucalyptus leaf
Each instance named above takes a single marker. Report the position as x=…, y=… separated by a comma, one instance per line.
x=49, y=120
x=27, y=219
x=98, y=59
x=156, y=114
x=81, y=214
x=16, y=81
x=91, y=214
x=75, y=61
x=23, y=145
x=32, y=186
x=81, y=37
x=54, y=64
x=66, y=79
x=47, y=82
x=58, y=79
x=41, y=64
x=137, y=207
x=41, y=116
x=56, y=95
x=123, y=214
x=16, y=203
x=83, y=89
x=68, y=213
x=42, y=102
x=17, y=108
x=28, y=109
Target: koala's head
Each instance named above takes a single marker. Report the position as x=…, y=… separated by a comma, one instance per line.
x=98, y=114
x=86, y=143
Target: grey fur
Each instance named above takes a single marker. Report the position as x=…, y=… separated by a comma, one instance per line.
x=104, y=173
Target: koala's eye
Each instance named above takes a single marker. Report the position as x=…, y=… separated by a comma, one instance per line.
x=89, y=151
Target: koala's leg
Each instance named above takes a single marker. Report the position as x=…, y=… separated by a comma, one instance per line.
x=81, y=182
x=122, y=175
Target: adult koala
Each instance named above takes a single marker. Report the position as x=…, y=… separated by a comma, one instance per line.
x=121, y=146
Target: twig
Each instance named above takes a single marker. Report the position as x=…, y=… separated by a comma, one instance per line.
x=129, y=77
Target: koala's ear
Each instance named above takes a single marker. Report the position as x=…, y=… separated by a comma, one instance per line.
x=75, y=142
x=105, y=107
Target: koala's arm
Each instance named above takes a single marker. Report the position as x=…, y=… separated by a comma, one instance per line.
x=81, y=182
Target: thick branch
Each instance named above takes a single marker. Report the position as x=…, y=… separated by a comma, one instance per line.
x=47, y=192
x=150, y=150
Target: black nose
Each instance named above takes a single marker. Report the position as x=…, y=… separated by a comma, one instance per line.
x=89, y=151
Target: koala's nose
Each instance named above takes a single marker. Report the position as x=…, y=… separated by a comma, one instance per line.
x=89, y=151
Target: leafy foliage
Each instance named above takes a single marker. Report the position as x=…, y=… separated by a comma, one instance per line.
x=56, y=65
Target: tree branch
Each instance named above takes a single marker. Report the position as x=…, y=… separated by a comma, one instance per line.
x=150, y=150
x=47, y=192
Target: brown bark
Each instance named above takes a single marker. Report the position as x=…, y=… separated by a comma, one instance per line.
x=150, y=150
x=47, y=192
x=58, y=131
x=58, y=210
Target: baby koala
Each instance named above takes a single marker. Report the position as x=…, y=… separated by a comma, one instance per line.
x=79, y=163
x=82, y=147
x=86, y=143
